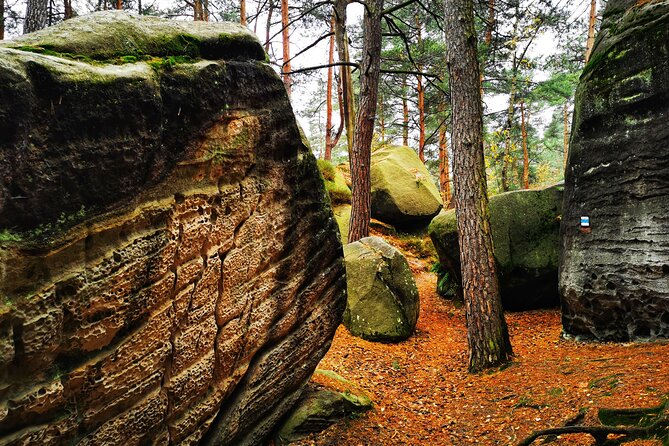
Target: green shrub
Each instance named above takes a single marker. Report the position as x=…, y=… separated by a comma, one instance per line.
x=327, y=170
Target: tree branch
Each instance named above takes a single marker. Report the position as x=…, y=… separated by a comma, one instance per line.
x=318, y=67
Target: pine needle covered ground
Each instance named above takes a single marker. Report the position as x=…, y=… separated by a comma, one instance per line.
x=423, y=394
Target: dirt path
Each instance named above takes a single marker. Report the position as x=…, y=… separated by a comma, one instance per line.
x=423, y=394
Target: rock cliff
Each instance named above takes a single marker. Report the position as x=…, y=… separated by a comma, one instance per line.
x=170, y=270
x=614, y=276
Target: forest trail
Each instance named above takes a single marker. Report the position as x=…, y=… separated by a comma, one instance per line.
x=423, y=394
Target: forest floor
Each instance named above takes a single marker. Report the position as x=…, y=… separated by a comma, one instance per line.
x=423, y=394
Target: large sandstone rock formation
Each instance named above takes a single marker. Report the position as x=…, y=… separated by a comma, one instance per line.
x=525, y=230
x=383, y=301
x=170, y=270
x=614, y=280
x=403, y=193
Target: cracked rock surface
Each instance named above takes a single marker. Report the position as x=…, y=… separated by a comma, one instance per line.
x=170, y=270
x=614, y=278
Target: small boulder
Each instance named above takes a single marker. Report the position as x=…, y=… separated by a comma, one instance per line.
x=403, y=193
x=525, y=230
x=335, y=183
x=321, y=406
x=383, y=299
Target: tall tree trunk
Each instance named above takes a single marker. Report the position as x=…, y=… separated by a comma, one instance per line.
x=360, y=157
x=119, y=4
x=268, y=25
x=487, y=332
x=565, y=135
x=341, y=38
x=205, y=10
x=328, y=96
x=286, y=46
x=526, y=155
x=139, y=7
x=2, y=19
x=591, y=30
x=242, y=12
x=506, y=162
x=405, y=113
x=421, y=96
x=444, y=171
x=36, y=16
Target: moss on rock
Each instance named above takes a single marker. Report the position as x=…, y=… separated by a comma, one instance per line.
x=115, y=36
x=525, y=228
x=403, y=193
x=383, y=300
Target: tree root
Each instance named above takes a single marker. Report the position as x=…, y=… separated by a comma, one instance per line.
x=631, y=424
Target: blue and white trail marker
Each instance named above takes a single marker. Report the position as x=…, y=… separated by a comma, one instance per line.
x=585, y=221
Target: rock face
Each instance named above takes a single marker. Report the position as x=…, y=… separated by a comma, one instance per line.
x=383, y=299
x=614, y=280
x=403, y=193
x=170, y=269
x=525, y=231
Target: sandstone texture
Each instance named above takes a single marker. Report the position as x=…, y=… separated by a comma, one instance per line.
x=170, y=270
x=383, y=300
x=614, y=279
x=525, y=230
x=403, y=193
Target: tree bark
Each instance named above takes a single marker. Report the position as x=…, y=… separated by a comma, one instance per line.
x=565, y=135
x=421, y=97
x=119, y=4
x=487, y=333
x=36, y=16
x=526, y=155
x=2, y=19
x=360, y=157
x=328, y=96
x=268, y=25
x=286, y=46
x=341, y=39
x=444, y=171
x=242, y=12
x=591, y=30
x=405, y=113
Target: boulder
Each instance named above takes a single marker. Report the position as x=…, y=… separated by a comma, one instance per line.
x=614, y=276
x=322, y=406
x=383, y=299
x=403, y=193
x=525, y=230
x=170, y=268
x=335, y=183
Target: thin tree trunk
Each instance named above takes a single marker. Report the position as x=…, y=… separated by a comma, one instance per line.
x=119, y=4
x=565, y=135
x=36, y=16
x=421, y=97
x=2, y=19
x=444, y=171
x=328, y=97
x=382, y=121
x=205, y=10
x=405, y=113
x=286, y=45
x=342, y=118
x=139, y=7
x=526, y=155
x=487, y=332
x=360, y=158
x=268, y=25
x=242, y=12
x=341, y=39
x=591, y=30
x=509, y=126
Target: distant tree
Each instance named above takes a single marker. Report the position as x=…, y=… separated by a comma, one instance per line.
x=487, y=332
x=2, y=19
x=37, y=15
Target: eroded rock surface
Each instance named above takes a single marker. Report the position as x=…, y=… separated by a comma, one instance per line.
x=614, y=280
x=170, y=270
